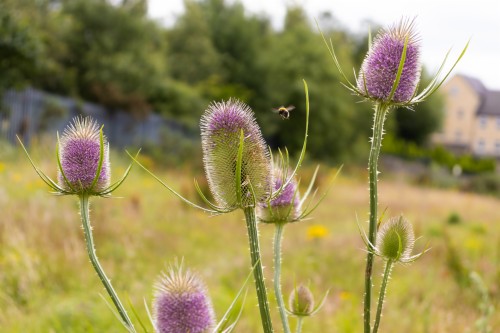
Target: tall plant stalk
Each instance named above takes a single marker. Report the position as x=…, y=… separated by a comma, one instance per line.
x=376, y=143
x=278, y=236
x=87, y=229
x=253, y=238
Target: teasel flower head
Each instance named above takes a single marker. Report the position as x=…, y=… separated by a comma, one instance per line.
x=380, y=67
x=301, y=302
x=395, y=241
x=181, y=303
x=83, y=161
x=235, y=156
x=390, y=72
x=285, y=205
x=84, y=158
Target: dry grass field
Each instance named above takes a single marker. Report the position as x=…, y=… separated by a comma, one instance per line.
x=48, y=285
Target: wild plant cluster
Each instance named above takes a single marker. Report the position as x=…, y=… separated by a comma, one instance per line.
x=243, y=173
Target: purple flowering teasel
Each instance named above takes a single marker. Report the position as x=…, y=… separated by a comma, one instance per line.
x=235, y=156
x=181, y=303
x=285, y=205
x=84, y=159
x=390, y=72
x=83, y=169
x=380, y=67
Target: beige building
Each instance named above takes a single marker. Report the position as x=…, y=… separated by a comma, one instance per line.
x=472, y=117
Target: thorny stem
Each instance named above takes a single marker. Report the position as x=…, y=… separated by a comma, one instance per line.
x=387, y=273
x=278, y=236
x=253, y=238
x=378, y=132
x=87, y=229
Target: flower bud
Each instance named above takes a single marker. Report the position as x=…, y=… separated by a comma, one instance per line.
x=301, y=301
x=395, y=240
x=379, y=69
x=181, y=303
x=285, y=207
x=221, y=127
x=79, y=153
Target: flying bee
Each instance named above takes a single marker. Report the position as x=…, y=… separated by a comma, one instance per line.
x=284, y=112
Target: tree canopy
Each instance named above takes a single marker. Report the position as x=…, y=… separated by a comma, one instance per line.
x=113, y=54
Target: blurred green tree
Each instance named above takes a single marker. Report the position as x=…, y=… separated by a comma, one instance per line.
x=116, y=53
x=19, y=48
x=417, y=125
x=339, y=126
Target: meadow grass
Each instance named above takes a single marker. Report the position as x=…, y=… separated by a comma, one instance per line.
x=48, y=285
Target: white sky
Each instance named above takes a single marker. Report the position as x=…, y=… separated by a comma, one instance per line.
x=442, y=24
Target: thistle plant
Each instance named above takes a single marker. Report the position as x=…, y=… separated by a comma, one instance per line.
x=84, y=170
x=395, y=242
x=238, y=168
x=181, y=303
x=301, y=304
x=388, y=78
x=284, y=206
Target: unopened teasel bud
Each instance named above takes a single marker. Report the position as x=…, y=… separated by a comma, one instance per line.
x=395, y=239
x=301, y=301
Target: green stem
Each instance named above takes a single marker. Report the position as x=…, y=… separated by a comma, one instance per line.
x=299, y=324
x=87, y=229
x=278, y=236
x=253, y=239
x=387, y=273
x=378, y=132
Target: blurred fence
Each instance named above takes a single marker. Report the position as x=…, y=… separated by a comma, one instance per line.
x=29, y=112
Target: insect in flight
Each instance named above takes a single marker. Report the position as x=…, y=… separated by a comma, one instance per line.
x=284, y=112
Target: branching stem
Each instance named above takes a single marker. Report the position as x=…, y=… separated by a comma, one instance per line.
x=378, y=132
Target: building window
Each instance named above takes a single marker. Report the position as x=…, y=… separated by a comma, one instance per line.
x=460, y=113
x=497, y=147
x=498, y=122
x=458, y=136
x=483, y=121
x=481, y=145
x=454, y=91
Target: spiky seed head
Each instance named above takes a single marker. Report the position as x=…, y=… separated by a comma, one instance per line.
x=301, y=301
x=285, y=207
x=181, y=303
x=395, y=239
x=380, y=66
x=221, y=127
x=79, y=152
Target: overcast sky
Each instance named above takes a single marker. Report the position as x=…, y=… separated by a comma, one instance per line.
x=442, y=24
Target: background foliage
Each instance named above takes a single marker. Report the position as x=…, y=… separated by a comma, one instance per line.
x=111, y=53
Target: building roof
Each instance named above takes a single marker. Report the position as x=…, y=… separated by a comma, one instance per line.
x=489, y=99
x=476, y=84
x=490, y=103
